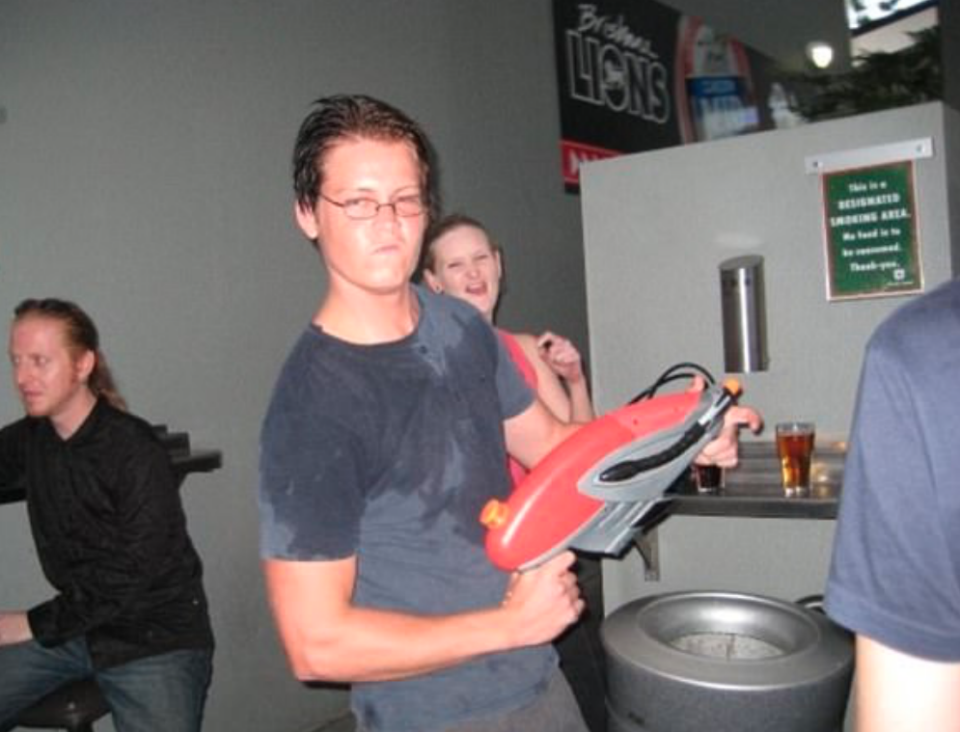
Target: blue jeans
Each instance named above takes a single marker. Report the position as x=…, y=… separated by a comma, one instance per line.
x=163, y=693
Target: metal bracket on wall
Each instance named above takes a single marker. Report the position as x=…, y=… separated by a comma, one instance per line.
x=648, y=545
x=894, y=152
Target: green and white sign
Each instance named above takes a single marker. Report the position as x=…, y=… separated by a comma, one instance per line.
x=871, y=232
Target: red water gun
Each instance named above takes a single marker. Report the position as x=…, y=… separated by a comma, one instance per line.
x=594, y=491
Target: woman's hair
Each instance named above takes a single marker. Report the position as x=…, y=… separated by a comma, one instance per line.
x=428, y=257
x=81, y=335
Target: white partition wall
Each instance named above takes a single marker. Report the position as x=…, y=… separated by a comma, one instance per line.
x=656, y=227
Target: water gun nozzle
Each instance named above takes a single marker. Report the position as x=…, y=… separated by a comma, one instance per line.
x=494, y=514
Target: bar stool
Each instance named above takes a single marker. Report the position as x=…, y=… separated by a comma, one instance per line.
x=74, y=707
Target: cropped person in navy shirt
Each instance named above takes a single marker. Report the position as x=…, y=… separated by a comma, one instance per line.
x=111, y=537
x=895, y=573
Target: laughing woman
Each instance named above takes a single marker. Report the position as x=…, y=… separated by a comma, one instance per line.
x=461, y=260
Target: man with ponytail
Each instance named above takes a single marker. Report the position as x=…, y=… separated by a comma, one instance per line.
x=111, y=537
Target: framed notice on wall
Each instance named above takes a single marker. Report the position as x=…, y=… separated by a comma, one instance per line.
x=871, y=231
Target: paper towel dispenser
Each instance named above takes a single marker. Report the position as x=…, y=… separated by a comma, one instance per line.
x=744, y=314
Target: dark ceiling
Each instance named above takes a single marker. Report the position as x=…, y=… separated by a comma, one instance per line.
x=779, y=28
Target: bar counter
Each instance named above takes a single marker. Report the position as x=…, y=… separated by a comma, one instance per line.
x=753, y=489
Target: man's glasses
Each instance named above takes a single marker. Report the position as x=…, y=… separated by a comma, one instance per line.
x=368, y=208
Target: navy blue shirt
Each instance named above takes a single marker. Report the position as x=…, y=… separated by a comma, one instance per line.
x=895, y=574
x=388, y=453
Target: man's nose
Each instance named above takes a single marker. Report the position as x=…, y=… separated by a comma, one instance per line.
x=391, y=207
x=21, y=374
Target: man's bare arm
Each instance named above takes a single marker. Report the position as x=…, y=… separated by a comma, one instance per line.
x=896, y=692
x=327, y=637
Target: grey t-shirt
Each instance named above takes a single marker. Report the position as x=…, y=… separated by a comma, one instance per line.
x=895, y=574
x=388, y=453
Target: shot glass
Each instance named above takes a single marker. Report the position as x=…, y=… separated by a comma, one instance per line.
x=707, y=478
x=795, y=448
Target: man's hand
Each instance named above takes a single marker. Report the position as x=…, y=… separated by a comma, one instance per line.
x=14, y=628
x=724, y=450
x=543, y=601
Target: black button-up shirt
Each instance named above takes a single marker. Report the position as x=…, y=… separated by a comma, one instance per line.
x=111, y=536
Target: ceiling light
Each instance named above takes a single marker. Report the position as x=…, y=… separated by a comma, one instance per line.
x=820, y=54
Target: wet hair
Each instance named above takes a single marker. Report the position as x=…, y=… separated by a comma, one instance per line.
x=81, y=335
x=440, y=227
x=337, y=118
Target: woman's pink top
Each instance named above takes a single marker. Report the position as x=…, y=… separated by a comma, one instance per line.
x=517, y=471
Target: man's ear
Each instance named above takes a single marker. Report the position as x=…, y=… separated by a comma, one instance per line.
x=306, y=220
x=85, y=365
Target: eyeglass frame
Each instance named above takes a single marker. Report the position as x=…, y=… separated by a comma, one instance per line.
x=376, y=212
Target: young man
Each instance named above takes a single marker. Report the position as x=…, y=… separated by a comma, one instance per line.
x=111, y=536
x=385, y=436
x=895, y=575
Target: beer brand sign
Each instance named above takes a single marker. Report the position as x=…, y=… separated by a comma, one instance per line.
x=871, y=232
x=636, y=75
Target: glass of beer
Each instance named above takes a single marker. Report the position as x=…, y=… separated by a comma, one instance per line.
x=795, y=448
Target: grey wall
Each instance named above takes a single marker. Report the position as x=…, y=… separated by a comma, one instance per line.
x=144, y=165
